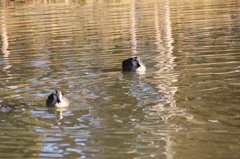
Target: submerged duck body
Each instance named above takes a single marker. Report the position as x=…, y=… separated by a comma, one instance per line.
x=57, y=99
x=133, y=64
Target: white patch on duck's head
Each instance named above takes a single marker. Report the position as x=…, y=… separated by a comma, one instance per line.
x=59, y=96
x=139, y=64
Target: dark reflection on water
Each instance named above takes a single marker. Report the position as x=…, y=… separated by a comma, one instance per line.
x=184, y=106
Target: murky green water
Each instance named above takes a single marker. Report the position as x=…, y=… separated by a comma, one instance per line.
x=185, y=106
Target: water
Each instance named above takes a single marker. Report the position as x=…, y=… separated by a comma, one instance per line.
x=185, y=106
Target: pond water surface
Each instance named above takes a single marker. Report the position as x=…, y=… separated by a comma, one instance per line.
x=186, y=105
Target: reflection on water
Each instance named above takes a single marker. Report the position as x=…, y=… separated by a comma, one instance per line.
x=184, y=106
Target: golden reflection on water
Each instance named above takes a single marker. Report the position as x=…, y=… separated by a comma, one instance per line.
x=180, y=104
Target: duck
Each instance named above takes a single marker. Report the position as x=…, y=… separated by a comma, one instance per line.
x=57, y=99
x=133, y=64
